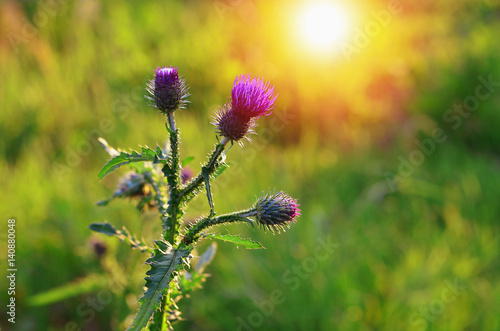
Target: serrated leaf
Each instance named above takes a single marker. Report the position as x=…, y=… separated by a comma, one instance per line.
x=206, y=177
x=247, y=243
x=123, y=235
x=114, y=163
x=110, y=150
x=164, y=268
x=187, y=160
x=160, y=155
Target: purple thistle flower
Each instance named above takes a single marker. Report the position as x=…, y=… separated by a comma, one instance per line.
x=252, y=97
x=168, y=91
x=276, y=210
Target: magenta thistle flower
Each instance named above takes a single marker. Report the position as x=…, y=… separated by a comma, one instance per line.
x=168, y=91
x=250, y=99
x=276, y=210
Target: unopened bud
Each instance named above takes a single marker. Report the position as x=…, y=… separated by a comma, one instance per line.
x=168, y=92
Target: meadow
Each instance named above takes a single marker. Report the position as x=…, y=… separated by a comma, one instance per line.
x=390, y=142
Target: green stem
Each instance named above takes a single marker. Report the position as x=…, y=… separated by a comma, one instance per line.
x=165, y=309
x=171, y=171
x=160, y=316
x=193, y=234
x=196, y=183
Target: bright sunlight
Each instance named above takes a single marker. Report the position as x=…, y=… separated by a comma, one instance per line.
x=324, y=25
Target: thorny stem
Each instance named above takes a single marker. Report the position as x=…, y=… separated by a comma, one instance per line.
x=160, y=318
x=171, y=170
x=171, y=214
x=165, y=311
x=213, y=163
x=194, y=231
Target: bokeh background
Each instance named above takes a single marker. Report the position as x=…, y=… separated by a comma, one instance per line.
x=384, y=129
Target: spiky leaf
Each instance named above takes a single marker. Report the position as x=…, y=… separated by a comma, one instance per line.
x=247, y=243
x=110, y=150
x=165, y=266
x=123, y=235
x=147, y=154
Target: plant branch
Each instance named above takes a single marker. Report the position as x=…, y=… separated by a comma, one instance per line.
x=165, y=309
x=171, y=171
x=193, y=233
x=196, y=183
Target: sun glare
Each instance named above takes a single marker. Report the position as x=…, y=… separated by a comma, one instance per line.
x=324, y=25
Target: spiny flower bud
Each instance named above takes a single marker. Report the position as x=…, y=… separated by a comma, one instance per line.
x=233, y=125
x=276, y=210
x=168, y=91
x=250, y=99
x=131, y=185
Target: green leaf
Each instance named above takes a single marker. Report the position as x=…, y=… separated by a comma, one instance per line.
x=85, y=285
x=110, y=150
x=123, y=235
x=168, y=129
x=104, y=202
x=115, y=162
x=247, y=243
x=165, y=265
x=105, y=228
x=187, y=160
x=206, y=177
x=159, y=155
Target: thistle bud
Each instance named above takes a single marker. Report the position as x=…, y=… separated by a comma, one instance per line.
x=168, y=92
x=250, y=99
x=233, y=125
x=276, y=210
x=131, y=185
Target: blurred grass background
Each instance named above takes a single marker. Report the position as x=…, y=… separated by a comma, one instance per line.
x=75, y=70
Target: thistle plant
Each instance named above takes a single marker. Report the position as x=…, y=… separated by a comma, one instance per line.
x=159, y=180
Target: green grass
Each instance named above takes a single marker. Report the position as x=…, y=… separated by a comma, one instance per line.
x=395, y=253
